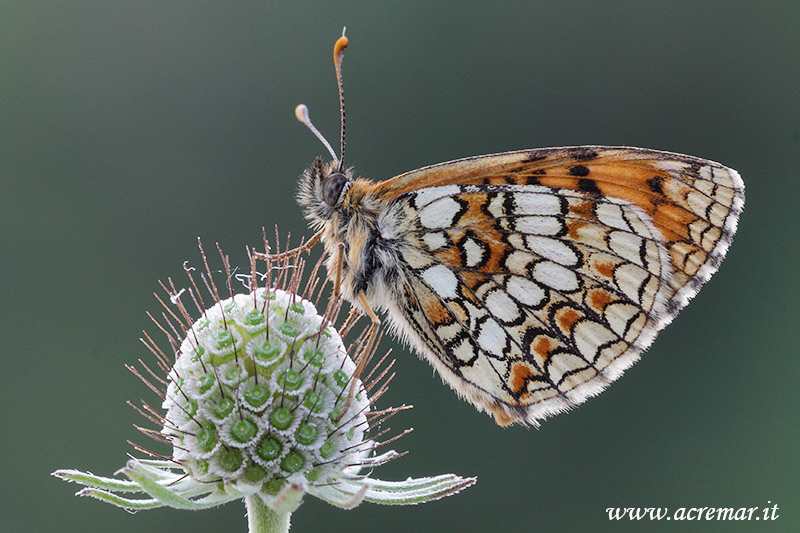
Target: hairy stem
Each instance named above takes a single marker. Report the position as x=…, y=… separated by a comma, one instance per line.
x=262, y=519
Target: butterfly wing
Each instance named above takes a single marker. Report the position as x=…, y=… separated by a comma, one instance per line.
x=535, y=278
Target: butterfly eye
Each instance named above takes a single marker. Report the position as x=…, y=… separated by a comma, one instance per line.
x=332, y=187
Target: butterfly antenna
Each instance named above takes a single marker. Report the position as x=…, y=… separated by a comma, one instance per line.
x=338, y=55
x=301, y=112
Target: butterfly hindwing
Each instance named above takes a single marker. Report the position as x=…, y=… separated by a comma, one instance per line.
x=531, y=288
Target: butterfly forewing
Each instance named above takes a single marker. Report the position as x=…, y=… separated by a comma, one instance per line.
x=534, y=278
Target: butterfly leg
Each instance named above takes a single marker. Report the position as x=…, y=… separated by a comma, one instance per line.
x=372, y=334
x=337, y=282
x=290, y=253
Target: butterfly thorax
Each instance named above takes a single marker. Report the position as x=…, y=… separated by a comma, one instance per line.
x=350, y=228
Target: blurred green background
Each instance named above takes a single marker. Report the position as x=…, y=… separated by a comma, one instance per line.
x=128, y=129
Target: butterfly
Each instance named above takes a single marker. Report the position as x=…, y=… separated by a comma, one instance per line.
x=530, y=279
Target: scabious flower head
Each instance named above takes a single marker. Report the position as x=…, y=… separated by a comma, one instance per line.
x=257, y=393
x=261, y=401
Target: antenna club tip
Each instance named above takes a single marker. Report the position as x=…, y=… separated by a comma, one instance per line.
x=338, y=48
x=301, y=112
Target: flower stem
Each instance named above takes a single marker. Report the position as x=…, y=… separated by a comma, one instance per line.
x=262, y=519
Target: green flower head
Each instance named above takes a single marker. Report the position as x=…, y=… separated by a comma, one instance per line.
x=261, y=402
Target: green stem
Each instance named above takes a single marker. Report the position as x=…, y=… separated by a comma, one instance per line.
x=262, y=519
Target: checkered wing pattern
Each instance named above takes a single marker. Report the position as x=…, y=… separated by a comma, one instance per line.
x=535, y=278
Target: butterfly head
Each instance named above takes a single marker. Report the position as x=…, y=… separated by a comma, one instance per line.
x=322, y=190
